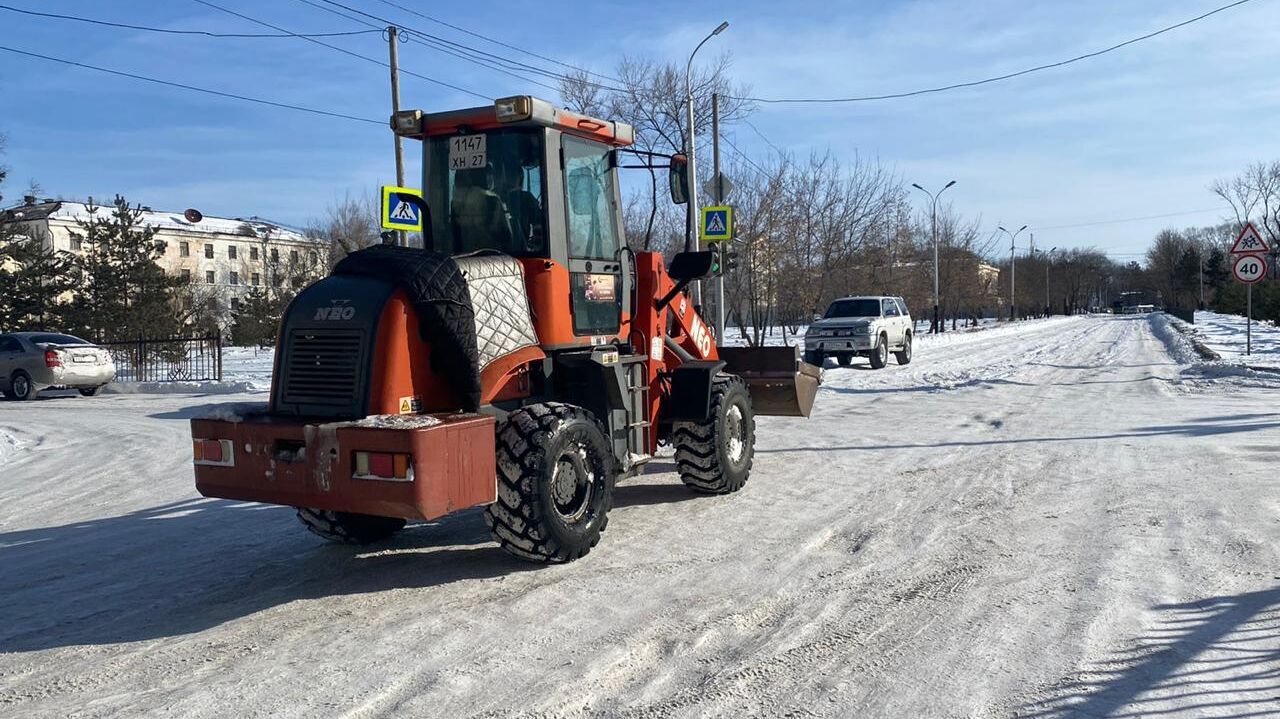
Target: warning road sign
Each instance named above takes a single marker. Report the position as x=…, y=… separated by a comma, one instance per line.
x=1250, y=269
x=1249, y=241
x=398, y=212
x=717, y=224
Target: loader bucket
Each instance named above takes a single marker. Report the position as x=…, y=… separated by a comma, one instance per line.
x=780, y=383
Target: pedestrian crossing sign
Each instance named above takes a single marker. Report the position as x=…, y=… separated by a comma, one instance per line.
x=717, y=224
x=399, y=212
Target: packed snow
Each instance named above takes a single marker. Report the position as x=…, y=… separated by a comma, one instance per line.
x=1069, y=517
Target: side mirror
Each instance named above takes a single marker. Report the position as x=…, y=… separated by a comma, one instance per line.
x=678, y=179
x=816, y=317
x=689, y=266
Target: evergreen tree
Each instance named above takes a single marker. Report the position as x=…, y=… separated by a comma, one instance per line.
x=120, y=290
x=257, y=320
x=33, y=282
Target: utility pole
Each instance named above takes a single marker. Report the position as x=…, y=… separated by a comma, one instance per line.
x=691, y=230
x=719, y=198
x=393, y=43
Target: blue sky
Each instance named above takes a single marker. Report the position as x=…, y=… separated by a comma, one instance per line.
x=1139, y=132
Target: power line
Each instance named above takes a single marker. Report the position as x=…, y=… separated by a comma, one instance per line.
x=193, y=88
x=168, y=31
x=471, y=54
x=408, y=34
x=975, y=83
x=1133, y=219
x=499, y=43
x=342, y=50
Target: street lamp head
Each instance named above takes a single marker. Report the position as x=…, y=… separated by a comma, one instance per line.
x=1020, y=229
x=917, y=187
x=721, y=28
x=949, y=184
x=1002, y=229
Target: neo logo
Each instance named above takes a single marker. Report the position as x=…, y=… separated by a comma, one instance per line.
x=335, y=313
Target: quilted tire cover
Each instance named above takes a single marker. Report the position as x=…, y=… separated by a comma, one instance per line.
x=500, y=303
x=436, y=287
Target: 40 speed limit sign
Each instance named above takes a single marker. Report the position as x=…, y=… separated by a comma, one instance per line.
x=1250, y=269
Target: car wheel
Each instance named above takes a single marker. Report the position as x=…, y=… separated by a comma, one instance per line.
x=904, y=355
x=89, y=391
x=880, y=353
x=20, y=387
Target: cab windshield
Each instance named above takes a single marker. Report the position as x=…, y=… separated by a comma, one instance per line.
x=486, y=192
x=853, y=308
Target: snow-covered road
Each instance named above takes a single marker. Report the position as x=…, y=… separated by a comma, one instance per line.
x=1048, y=519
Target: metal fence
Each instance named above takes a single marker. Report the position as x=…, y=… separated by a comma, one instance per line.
x=169, y=359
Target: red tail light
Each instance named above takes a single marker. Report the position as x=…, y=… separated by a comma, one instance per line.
x=52, y=358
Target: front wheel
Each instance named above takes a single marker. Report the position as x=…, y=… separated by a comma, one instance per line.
x=880, y=353
x=904, y=355
x=89, y=391
x=715, y=456
x=349, y=527
x=555, y=483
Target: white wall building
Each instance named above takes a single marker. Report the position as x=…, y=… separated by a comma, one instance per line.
x=221, y=256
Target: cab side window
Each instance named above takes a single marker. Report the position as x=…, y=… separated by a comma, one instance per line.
x=588, y=187
x=902, y=306
x=889, y=308
x=10, y=344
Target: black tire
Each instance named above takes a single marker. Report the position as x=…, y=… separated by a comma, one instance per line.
x=707, y=455
x=880, y=353
x=89, y=391
x=904, y=355
x=844, y=360
x=555, y=483
x=814, y=358
x=20, y=387
x=348, y=527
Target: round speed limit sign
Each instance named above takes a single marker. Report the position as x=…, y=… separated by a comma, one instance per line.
x=1250, y=269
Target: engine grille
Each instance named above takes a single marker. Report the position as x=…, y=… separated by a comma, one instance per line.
x=323, y=367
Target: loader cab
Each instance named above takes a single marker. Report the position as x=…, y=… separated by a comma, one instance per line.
x=524, y=178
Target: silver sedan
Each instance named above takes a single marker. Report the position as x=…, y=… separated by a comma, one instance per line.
x=32, y=361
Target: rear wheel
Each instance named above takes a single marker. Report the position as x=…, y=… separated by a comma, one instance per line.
x=20, y=387
x=904, y=355
x=555, y=483
x=89, y=391
x=880, y=353
x=348, y=527
x=715, y=456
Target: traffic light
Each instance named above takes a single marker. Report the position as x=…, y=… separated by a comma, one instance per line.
x=728, y=258
x=717, y=264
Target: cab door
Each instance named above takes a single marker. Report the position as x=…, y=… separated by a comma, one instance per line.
x=599, y=288
x=889, y=309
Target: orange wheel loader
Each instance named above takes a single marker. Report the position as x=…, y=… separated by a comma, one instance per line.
x=525, y=359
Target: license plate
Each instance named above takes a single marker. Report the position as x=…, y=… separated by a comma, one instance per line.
x=83, y=358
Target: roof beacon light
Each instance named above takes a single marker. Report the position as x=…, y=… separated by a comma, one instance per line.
x=513, y=109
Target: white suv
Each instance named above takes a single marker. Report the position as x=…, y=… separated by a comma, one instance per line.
x=867, y=326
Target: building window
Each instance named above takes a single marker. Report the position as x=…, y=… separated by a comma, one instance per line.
x=293, y=256
x=277, y=281
x=235, y=278
x=256, y=279
x=253, y=253
x=235, y=304
x=231, y=252
x=208, y=251
x=184, y=249
x=275, y=255
x=313, y=258
x=208, y=277
x=76, y=243
x=186, y=275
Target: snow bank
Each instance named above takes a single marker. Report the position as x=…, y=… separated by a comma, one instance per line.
x=1180, y=346
x=395, y=421
x=208, y=387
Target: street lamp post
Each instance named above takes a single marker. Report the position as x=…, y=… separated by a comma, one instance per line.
x=1013, y=270
x=936, y=324
x=690, y=230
